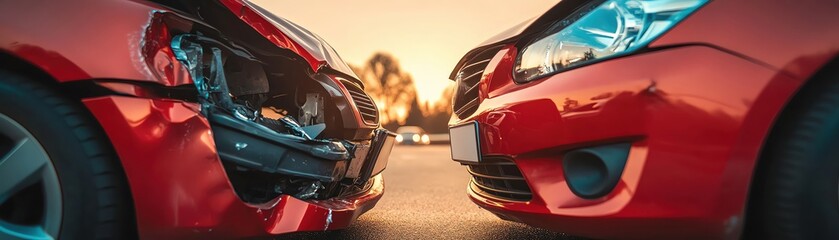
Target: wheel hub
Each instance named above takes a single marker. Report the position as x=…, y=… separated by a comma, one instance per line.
x=30, y=194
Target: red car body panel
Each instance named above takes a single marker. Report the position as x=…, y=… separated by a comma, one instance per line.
x=180, y=188
x=696, y=109
x=74, y=51
x=264, y=27
x=797, y=37
x=74, y=46
x=287, y=35
x=178, y=184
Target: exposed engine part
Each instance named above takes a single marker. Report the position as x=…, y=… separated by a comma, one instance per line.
x=265, y=148
x=311, y=112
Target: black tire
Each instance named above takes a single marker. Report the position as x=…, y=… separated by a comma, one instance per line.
x=796, y=189
x=95, y=197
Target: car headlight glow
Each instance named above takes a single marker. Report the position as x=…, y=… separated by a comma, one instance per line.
x=415, y=137
x=599, y=30
x=399, y=138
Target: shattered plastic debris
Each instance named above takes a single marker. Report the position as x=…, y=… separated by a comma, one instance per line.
x=328, y=220
x=314, y=130
x=237, y=113
x=212, y=89
x=310, y=191
x=190, y=54
x=295, y=127
x=241, y=145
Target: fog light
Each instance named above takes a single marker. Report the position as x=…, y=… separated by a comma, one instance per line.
x=595, y=171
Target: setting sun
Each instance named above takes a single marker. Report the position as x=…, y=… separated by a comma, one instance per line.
x=427, y=37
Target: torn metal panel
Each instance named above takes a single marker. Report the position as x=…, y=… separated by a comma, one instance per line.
x=269, y=156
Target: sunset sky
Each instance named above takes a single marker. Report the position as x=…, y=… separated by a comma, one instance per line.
x=428, y=37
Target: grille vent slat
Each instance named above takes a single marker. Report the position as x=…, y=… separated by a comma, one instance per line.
x=499, y=177
x=364, y=104
x=465, y=100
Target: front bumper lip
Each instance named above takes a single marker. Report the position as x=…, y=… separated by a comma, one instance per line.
x=290, y=214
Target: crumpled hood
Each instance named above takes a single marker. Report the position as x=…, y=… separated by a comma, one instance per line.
x=288, y=35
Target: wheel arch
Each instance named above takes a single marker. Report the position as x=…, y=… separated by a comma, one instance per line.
x=72, y=91
x=783, y=115
x=20, y=66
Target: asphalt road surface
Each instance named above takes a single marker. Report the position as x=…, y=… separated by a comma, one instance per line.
x=425, y=198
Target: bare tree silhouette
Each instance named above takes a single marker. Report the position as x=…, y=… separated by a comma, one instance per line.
x=395, y=94
x=392, y=89
x=444, y=105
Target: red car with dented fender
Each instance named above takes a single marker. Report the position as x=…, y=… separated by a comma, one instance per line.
x=178, y=119
x=648, y=119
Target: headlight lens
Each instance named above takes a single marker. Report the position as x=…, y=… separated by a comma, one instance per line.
x=598, y=31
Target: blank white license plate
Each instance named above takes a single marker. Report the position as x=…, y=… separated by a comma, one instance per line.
x=465, y=144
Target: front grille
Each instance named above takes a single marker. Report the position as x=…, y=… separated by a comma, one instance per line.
x=465, y=100
x=365, y=105
x=498, y=177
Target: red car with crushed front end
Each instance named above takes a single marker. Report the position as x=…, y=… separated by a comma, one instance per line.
x=178, y=119
x=657, y=119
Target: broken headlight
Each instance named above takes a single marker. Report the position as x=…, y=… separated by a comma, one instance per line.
x=600, y=30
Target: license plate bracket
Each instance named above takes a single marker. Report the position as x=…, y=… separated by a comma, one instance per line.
x=465, y=142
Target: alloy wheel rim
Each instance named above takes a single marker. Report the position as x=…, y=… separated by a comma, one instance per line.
x=25, y=164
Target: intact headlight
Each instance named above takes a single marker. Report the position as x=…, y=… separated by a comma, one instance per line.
x=598, y=30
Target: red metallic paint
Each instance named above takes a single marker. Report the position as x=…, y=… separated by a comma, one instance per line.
x=270, y=32
x=795, y=36
x=158, y=55
x=178, y=185
x=696, y=109
x=74, y=51
x=693, y=149
x=180, y=188
x=75, y=44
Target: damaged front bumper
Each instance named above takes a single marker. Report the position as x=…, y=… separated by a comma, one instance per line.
x=181, y=188
x=266, y=149
x=321, y=215
x=253, y=143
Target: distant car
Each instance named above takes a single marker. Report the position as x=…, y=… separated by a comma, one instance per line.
x=178, y=119
x=412, y=135
x=657, y=119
